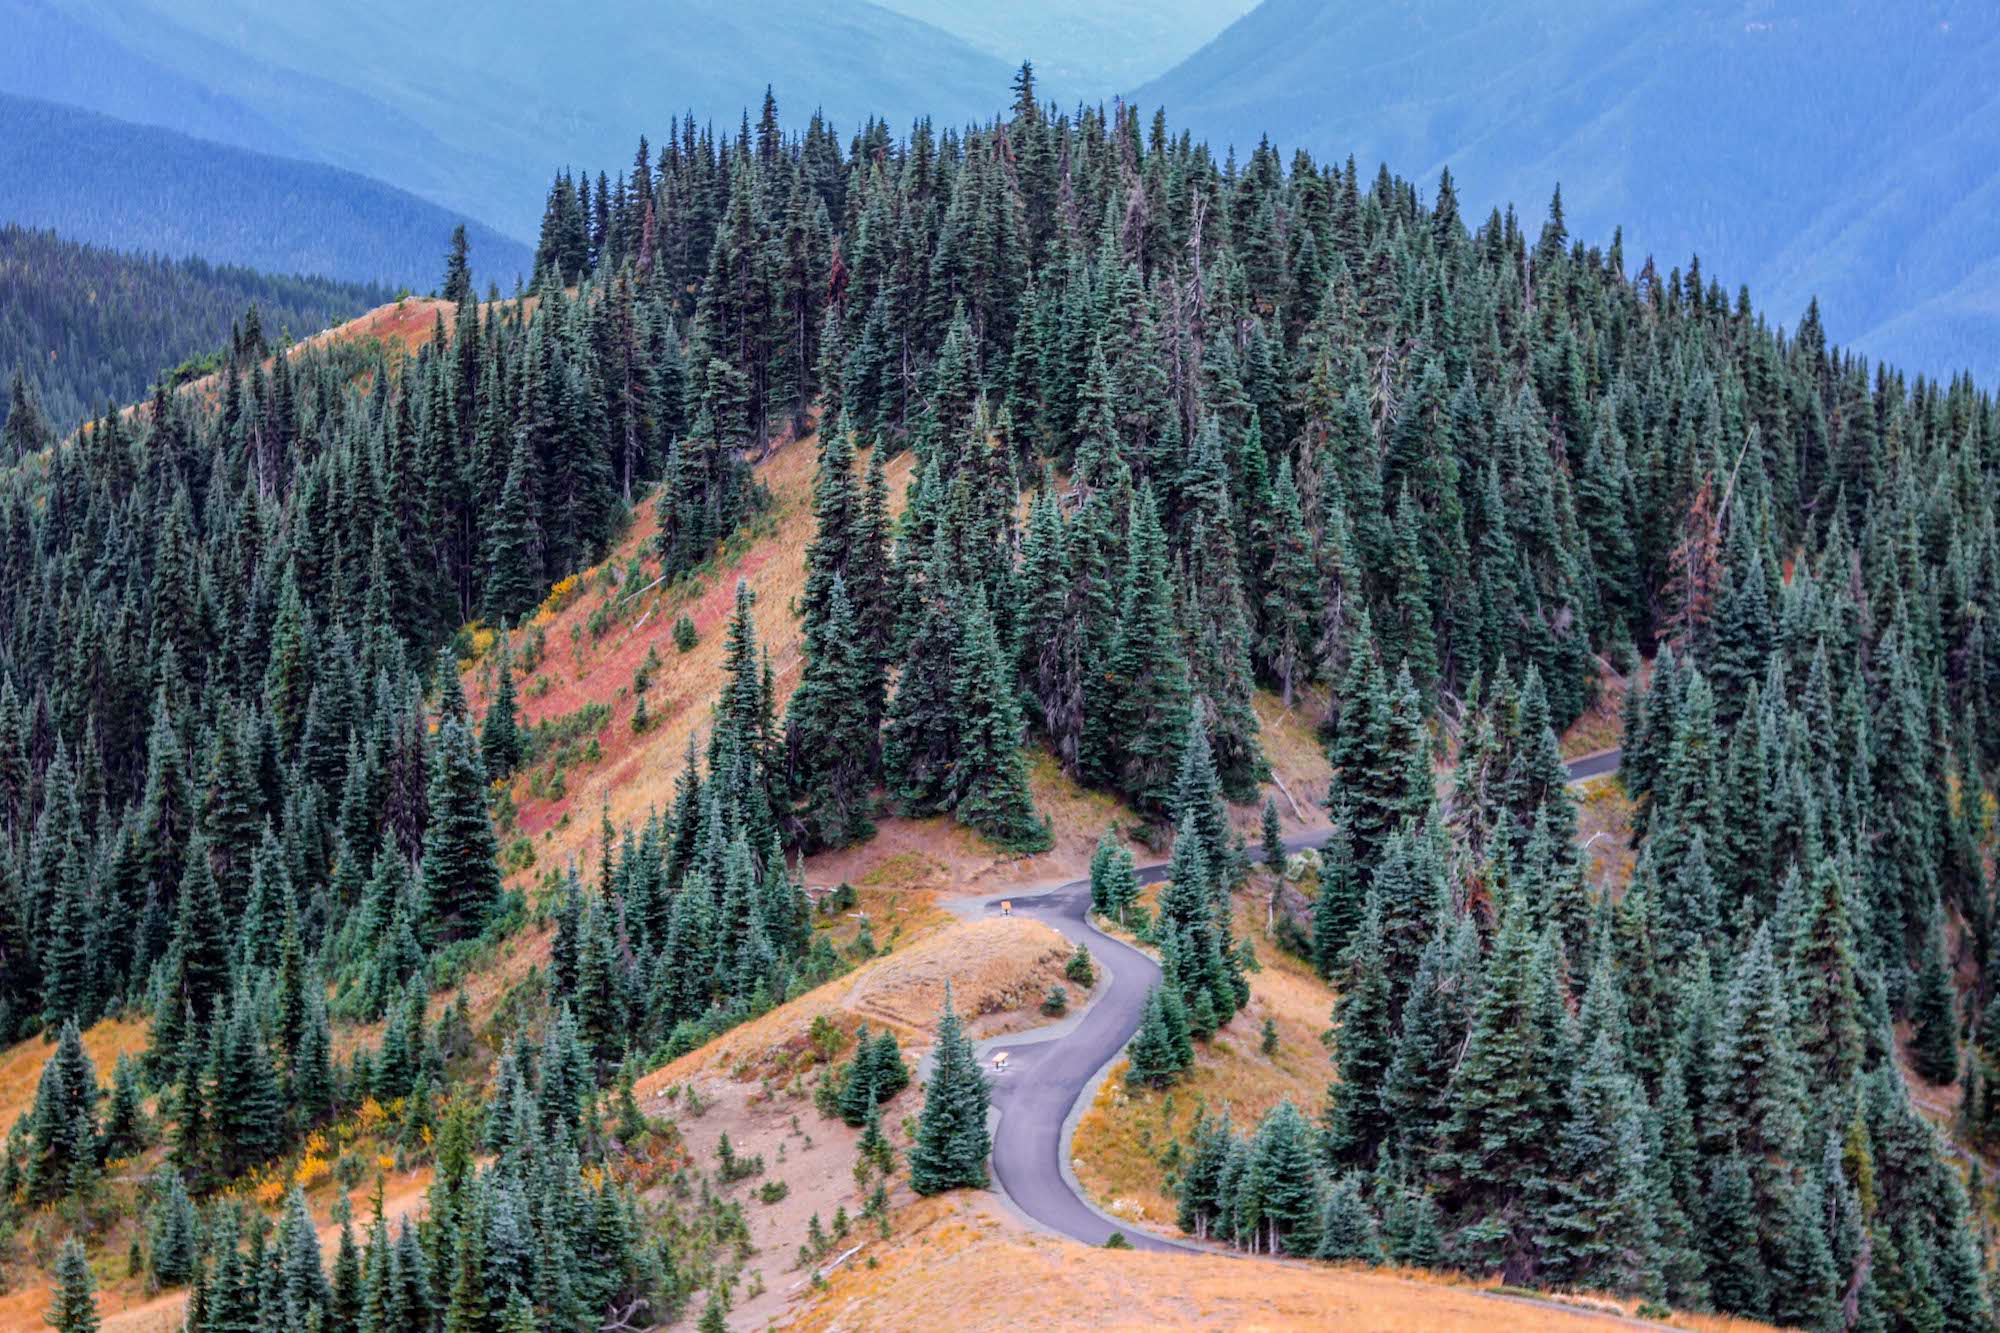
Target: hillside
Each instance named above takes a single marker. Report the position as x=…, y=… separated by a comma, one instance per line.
x=136, y=187
x=447, y=109
x=142, y=315
x=1830, y=149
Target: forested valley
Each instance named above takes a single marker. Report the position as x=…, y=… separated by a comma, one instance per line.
x=1183, y=426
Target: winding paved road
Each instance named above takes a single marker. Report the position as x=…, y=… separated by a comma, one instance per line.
x=1053, y=1073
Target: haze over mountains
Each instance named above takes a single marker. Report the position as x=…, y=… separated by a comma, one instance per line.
x=1840, y=148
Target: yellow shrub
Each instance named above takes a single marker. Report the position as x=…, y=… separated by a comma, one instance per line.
x=561, y=594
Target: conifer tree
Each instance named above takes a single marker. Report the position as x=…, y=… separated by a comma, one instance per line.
x=62, y=1127
x=1281, y=1175
x=831, y=731
x=1271, y=838
x=952, y=1142
x=990, y=773
x=1114, y=883
x=1337, y=912
x=1356, y=1120
x=500, y=733
x=74, y=1309
x=172, y=1249
x=460, y=871
x=457, y=285
x=1158, y=1052
x=1934, y=1014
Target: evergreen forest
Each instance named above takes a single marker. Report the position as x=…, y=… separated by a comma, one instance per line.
x=1182, y=427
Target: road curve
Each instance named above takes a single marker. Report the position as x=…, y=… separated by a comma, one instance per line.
x=1049, y=1074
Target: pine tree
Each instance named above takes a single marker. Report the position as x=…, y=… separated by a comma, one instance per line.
x=952, y=1142
x=1496, y=1136
x=990, y=773
x=1272, y=839
x=500, y=733
x=1356, y=1121
x=1281, y=1174
x=172, y=1247
x=1114, y=883
x=460, y=870
x=1157, y=1055
x=457, y=285
x=1824, y=964
x=1146, y=675
x=1934, y=1014
x=74, y=1309
x=1347, y=1227
x=62, y=1126
x=246, y=1112
x=126, y=1125
x=1599, y=1228
x=1337, y=912
x=831, y=732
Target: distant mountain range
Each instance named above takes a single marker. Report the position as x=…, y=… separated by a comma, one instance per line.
x=1831, y=147
x=138, y=187
x=475, y=105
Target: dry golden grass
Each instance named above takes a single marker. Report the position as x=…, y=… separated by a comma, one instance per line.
x=1119, y=1139
x=959, y=1258
x=999, y=971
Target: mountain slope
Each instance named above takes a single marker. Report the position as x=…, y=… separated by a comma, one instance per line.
x=59, y=57
x=1082, y=51
x=453, y=109
x=137, y=187
x=1839, y=149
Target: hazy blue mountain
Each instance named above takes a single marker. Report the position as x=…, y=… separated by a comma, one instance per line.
x=1082, y=51
x=474, y=105
x=56, y=56
x=139, y=187
x=1803, y=146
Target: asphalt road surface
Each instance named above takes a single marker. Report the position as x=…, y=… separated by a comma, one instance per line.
x=1039, y=1095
